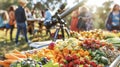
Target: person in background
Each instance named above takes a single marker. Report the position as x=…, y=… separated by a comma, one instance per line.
x=113, y=20
x=29, y=15
x=3, y=20
x=47, y=21
x=6, y=25
x=41, y=21
x=85, y=19
x=74, y=21
x=11, y=21
x=89, y=20
x=20, y=20
x=2, y=25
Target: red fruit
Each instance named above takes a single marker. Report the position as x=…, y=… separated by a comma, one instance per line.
x=86, y=65
x=61, y=62
x=71, y=64
x=100, y=65
x=114, y=31
x=82, y=62
x=87, y=61
x=103, y=43
x=92, y=63
x=85, y=41
x=97, y=46
x=93, y=40
x=92, y=46
x=77, y=61
x=97, y=41
x=51, y=46
x=66, y=65
x=89, y=42
x=75, y=57
x=68, y=58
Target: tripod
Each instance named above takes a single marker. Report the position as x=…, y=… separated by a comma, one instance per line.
x=62, y=26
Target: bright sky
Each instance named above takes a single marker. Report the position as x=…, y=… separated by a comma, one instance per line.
x=94, y=2
x=89, y=2
x=100, y=2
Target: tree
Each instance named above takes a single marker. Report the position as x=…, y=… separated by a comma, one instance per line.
x=5, y=4
x=101, y=14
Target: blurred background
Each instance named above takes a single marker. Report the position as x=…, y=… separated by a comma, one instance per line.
x=99, y=8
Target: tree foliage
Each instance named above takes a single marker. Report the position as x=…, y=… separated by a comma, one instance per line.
x=102, y=13
x=5, y=4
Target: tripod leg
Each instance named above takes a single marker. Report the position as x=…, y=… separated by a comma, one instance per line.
x=67, y=31
x=56, y=34
x=63, y=36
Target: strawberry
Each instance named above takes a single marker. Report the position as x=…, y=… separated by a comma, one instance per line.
x=97, y=41
x=103, y=43
x=75, y=57
x=71, y=64
x=92, y=63
x=82, y=62
x=89, y=42
x=68, y=58
x=86, y=65
x=51, y=46
x=87, y=61
x=66, y=65
x=77, y=61
x=85, y=41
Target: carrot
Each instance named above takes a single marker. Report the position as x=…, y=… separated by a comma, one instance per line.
x=9, y=61
x=11, y=56
x=16, y=51
x=2, y=63
x=20, y=55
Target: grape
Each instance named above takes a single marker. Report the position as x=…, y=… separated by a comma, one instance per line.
x=39, y=63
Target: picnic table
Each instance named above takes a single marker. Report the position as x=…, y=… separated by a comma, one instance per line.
x=31, y=21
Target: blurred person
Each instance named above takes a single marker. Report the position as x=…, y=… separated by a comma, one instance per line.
x=85, y=19
x=89, y=20
x=41, y=21
x=47, y=21
x=21, y=20
x=5, y=23
x=4, y=18
x=113, y=20
x=74, y=21
x=11, y=21
x=29, y=15
x=2, y=24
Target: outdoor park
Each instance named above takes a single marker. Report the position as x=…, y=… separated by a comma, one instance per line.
x=59, y=33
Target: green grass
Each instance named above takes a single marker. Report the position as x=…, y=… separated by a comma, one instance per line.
x=7, y=46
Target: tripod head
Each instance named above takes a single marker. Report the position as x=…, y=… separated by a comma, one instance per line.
x=59, y=15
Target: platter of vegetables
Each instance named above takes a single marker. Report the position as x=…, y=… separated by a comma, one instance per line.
x=78, y=51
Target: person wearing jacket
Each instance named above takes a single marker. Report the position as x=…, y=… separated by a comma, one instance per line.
x=20, y=21
x=113, y=20
x=11, y=21
x=47, y=21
